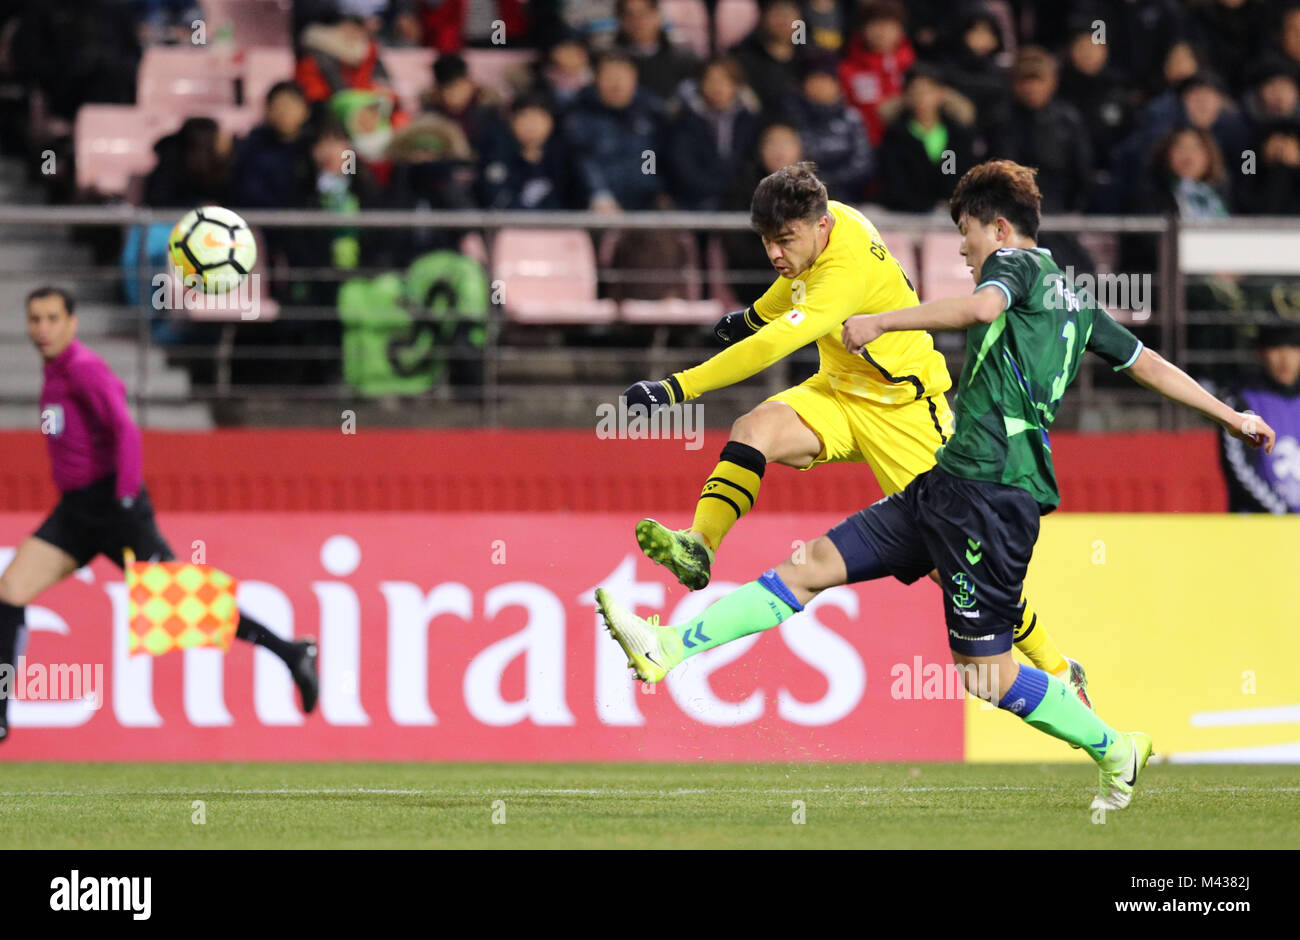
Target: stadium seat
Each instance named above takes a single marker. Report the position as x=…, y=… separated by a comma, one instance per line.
x=735, y=19
x=902, y=245
x=943, y=269
x=263, y=67
x=492, y=68
x=410, y=71
x=114, y=143
x=236, y=121
x=674, y=310
x=251, y=22
x=549, y=276
x=687, y=22
x=183, y=80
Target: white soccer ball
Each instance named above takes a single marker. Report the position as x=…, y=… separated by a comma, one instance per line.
x=213, y=248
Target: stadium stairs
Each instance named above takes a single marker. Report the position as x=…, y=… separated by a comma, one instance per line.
x=34, y=255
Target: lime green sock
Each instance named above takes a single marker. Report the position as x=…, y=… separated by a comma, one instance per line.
x=758, y=605
x=1063, y=716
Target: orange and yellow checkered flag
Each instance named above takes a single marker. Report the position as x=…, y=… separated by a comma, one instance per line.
x=175, y=605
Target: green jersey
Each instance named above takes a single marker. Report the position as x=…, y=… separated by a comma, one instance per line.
x=1017, y=369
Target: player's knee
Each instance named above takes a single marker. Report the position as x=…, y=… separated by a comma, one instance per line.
x=751, y=429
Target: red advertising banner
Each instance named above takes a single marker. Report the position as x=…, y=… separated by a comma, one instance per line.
x=474, y=637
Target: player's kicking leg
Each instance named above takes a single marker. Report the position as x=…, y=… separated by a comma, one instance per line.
x=770, y=433
x=36, y=566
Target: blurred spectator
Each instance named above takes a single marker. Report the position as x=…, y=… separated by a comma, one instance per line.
x=825, y=19
x=1274, y=187
x=1140, y=35
x=1045, y=132
x=167, y=21
x=925, y=151
x=1230, y=31
x=1181, y=61
x=879, y=55
x=563, y=71
x=1198, y=101
x=661, y=65
x=596, y=21
x=270, y=161
x=749, y=271
x=1260, y=482
x=1273, y=95
x=1187, y=176
x=455, y=96
x=451, y=25
x=973, y=71
x=77, y=51
x=1288, y=33
x=193, y=167
x=832, y=133
x=610, y=129
x=769, y=56
x=711, y=135
x=524, y=163
x=338, y=57
x=1098, y=90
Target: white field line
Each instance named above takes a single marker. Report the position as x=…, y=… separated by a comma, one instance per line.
x=561, y=791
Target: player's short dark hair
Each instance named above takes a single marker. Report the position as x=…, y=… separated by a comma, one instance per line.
x=40, y=293
x=999, y=188
x=791, y=194
x=613, y=56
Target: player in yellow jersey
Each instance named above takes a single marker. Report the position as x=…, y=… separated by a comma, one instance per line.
x=885, y=408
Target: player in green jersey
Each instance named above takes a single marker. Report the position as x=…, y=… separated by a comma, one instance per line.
x=975, y=515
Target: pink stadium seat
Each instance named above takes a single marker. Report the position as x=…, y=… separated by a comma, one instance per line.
x=263, y=67
x=491, y=68
x=688, y=24
x=735, y=18
x=252, y=22
x=672, y=311
x=185, y=80
x=902, y=245
x=410, y=71
x=114, y=143
x=549, y=276
x=236, y=121
x=943, y=269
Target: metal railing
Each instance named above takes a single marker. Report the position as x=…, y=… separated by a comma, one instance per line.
x=536, y=374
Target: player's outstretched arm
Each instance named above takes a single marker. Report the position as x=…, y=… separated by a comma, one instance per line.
x=950, y=313
x=1157, y=373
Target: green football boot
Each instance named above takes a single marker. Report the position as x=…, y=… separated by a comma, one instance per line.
x=1115, y=788
x=680, y=551
x=651, y=649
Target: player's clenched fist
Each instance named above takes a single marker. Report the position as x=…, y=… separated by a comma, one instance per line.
x=1252, y=429
x=860, y=331
x=735, y=326
x=652, y=394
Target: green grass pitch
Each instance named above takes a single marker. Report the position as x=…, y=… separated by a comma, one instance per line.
x=505, y=806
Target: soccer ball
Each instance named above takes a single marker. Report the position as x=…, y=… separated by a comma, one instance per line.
x=213, y=248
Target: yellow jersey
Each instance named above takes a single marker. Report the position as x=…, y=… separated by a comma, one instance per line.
x=855, y=273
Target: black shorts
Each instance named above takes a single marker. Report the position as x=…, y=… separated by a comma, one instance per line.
x=89, y=522
x=980, y=536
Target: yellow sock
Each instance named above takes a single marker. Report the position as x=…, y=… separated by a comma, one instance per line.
x=1033, y=640
x=729, y=492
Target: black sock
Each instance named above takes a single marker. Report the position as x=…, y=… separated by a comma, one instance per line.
x=11, y=621
x=252, y=631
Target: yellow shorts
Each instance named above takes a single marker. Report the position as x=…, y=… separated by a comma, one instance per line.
x=897, y=441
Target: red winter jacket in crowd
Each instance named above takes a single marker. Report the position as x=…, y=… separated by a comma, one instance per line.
x=872, y=78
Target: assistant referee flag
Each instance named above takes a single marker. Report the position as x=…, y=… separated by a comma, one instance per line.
x=176, y=605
